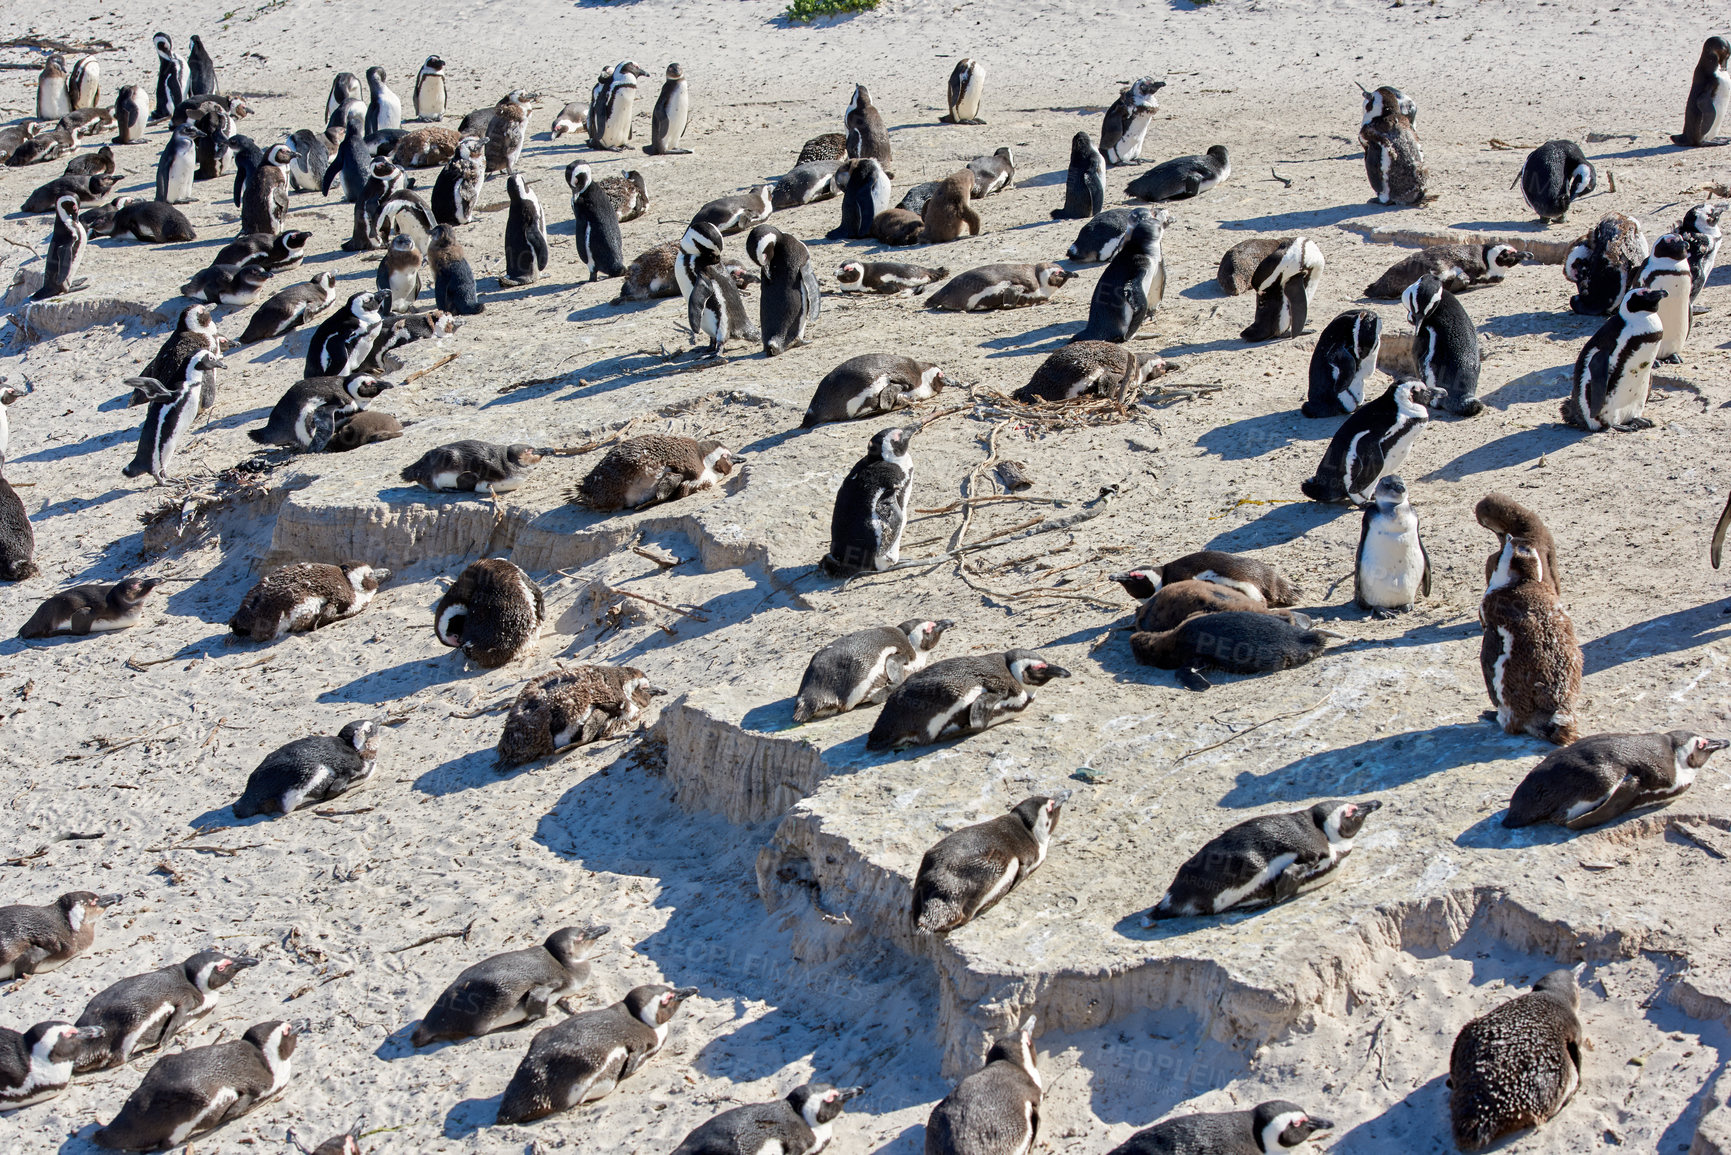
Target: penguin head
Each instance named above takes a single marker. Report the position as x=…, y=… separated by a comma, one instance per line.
x=1563, y=983
x=80, y=906
x=573, y=944
x=1218, y=154
x=200, y=361
x=850, y=273
x=1505, y=257
x=1671, y=247
x=654, y=1005
x=1583, y=179
x=1040, y=813
x=471, y=147
x=403, y=243
x=1691, y=749
x=1142, y=92
x=578, y=176
x=1031, y=669
x=1142, y=582
x=1702, y=219
x=434, y=64
x=365, y=305
x=1716, y=51
x=383, y=169
x=364, y=577
x=1422, y=296
x=519, y=454
x=924, y=635
x=1051, y=276
x=761, y=245
x=250, y=277
x=1366, y=334
x=66, y=208
x=53, y=1043
x=127, y=594
x=276, y=1039
x=1390, y=493
x=363, y=736
x=675, y=72
x=210, y=970
x=1281, y=1126
x=1643, y=300
x=1081, y=148
x=860, y=99
x=1018, y=1049
x=165, y=47
x=700, y=238
x=819, y=1103
x=893, y=444
x=376, y=75
x=1341, y=821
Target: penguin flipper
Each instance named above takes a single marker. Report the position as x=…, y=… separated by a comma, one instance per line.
x=1717, y=550
x=1191, y=679
x=1620, y=799
x=1424, y=581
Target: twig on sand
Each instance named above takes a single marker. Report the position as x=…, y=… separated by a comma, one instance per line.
x=423, y=941
x=70, y=836
x=663, y=562
x=1285, y=180
x=54, y=44
x=439, y=364
x=694, y=615
x=1248, y=729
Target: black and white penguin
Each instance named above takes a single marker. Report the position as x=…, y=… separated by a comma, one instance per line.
x=344, y=338
x=1392, y=158
x=1667, y=271
x=1285, y=284
x=741, y=211
x=233, y=285
x=353, y=160
x=967, y=86
x=600, y=245
x=867, y=193
x=715, y=308
x=197, y=1090
x=789, y=299
x=1182, y=177
x=384, y=108
x=571, y=707
x=264, y=201
x=458, y=187
x=871, y=507
x=1265, y=860
x=800, y=1123
x=174, y=405
x=1517, y=1066
x=129, y=115
x=1085, y=184
x=398, y=280
x=37, y=1064
x=526, y=252
x=960, y=696
x=1233, y=641
x=995, y=1110
x=1596, y=779
x=804, y=184
x=345, y=87
x=518, y=986
x=585, y=1057
x=872, y=384
x=82, y=610
x=1001, y=287
x=1445, y=346
x=37, y=939
x=312, y=159
x=866, y=134
x=1709, y=96
x=1554, y=176
x=861, y=668
x=1391, y=570
x=405, y=213
x=170, y=77
x=291, y=308
x=471, y=467
x=65, y=252
x=17, y=539
x=292, y=418
x=430, y=89
x=151, y=222
x=1373, y=442
x=1266, y=1129
x=308, y=771
x=1456, y=266
x=971, y=869
x=384, y=177
x=1614, y=369
x=303, y=596
x=1102, y=237
x=1603, y=264
x=993, y=174
x=611, y=106
x=401, y=331
x=200, y=70
x=1133, y=285
x=1341, y=363
x=144, y=1012
x=1700, y=229
x=52, y=99
x=889, y=277
x=1127, y=121
x=84, y=83
x=672, y=114
x=492, y=612
x=176, y=166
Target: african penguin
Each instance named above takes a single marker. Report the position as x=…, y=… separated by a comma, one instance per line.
x=385, y=108
x=866, y=194
x=471, y=467
x=295, y=419
x=1700, y=229
x=1265, y=1129
x=967, y=84
x=1528, y=655
x=871, y=507
x=970, y=870
x=804, y=184
x=518, y=986
x=145, y=1012
x=1596, y=779
x=1391, y=570
x=741, y=211
x=1667, y=271
x=872, y=384
x=1127, y=121
x=889, y=277
x=800, y=1123
x=1098, y=368
x=788, y=299
x=129, y=115
x=1341, y=363
x=1229, y=640
x=672, y=113
x=1373, y=441
x=612, y=105
x=1613, y=371
x=1182, y=177
x=866, y=135
x=1517, y=1066
x=599, y=244
x=84, y=83
x=170, y=77
x=200, y=69
x=308, y=771
x=1709, y=94
x=1553, y=177
x=993, y=174
x=1250, y=577
x=37, y=1064
x=959, y=696
x=17, y=539
x=87, y=609
x=173, y=408
x=861, y=668
x=572, y=707
x=1445, y=346
x=1101, y=238
x=948, y=211
x=303, y=596
x=52, y=99
x=1000, y=287
x=65, y=252
x=353, y=158
x=1603, y=263
x=1456, y=266
x=1285, y=284
x=526, y=253
x=1393, y=160
x=493, y=612
x=341, y=339
x=186, y=1094
x=37, y=939
x=995, y=1110
x=1085, y=185
x=430, y=90
x=236, y=286
x=1133, y=285
x=714, y=306
x=1173, y=603
x=651, y=469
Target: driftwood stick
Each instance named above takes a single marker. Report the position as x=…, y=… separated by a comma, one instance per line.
x=425, y=939
x=694, y=615
x=1544, y=252
x=439, y=364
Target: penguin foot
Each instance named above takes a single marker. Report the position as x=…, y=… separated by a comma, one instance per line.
x=1673, y=359
x=1633, y=425
x=1192, y=679
x=1697, y=310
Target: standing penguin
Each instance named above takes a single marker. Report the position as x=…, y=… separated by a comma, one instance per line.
x=129, y=115
x=995, y=1110
x=453, y=278
x=967, y=85
x=145, y=1012
x=1507, y=518
x=1555, y=175
x=1614, y=369
x=399, y=275
x=871, y=507
x=186, y=1094
x=173, y=408
x=526, y=253
x=970, y=870
x=36, y=1065
x=52, y=99
x=1603, y=264
x=1517, y=1066
x=170, y=78
x=789, y=299
x=264, y=205
x=1699, y=228
x=866, y=195
x=958, y=697
x=354, y=160
x=1085, y=185
x=599, y=243
x=866, y=134
x=65, y=251
x=508, y=132
x=861, y=668
x=1285, y=283
x=518, y=986
x=1445, y=346
x=311, y=770
x=611, y=107
x=672, y=113
x=343, y=339
x=1133, y=284
x=37, y=939
x=458, y=187
x=175, y=168
x=1263, y=861
x=801, y=1123
x=345, y=87
x=17, y=539
x=200, y=70
x=493, y=612
x=1265, y=1129
x=1709, y=96
x=430, y=89
x=1391, y=570
x=1373, y=442
x=84, y=83
x=1594, y=780
x=714, y=306
x=1529, y=656
x=385, y=109
x=1341, y=363
x=1392, y=158
x=1127, y=121
x=1667, y=271
x=585, y=1057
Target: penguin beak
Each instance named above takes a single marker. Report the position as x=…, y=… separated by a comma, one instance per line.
x=88, y=1034
x=591, y=933
x=654, y=691
x=1317, y=1123
x=243, y=963
x=1713, y=744
x=680, y=994
x=108, y=900
x=1062, y=797
x=843, y=1094
x=1370, y=807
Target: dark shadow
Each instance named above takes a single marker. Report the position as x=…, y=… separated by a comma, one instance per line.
x=469, y=771
x=1489, y=833
x=1412, y=1125
x=1280, y=524
x=1637, y=153
x=772, y=717
x=1044, y=180
x=1507, y=451
x=1665, y=634
x=1208, y=290
x=85, y=445
x=1258, y=436
x=400, y=681
x=1529, y=225
x=776, y=440
x=1310, y=218
x=1055, y=334
x=1540, y=385
x=1219, y=345
x=470, y=1115
x=1558, y=323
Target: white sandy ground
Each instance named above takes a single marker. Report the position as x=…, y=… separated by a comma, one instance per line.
x=148, y=753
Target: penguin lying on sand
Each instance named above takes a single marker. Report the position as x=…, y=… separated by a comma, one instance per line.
x=572, y=707
x=1169, y=606
x=492, y=611
x=518, y=986
x=472, y=466
x=145, y=1012
x=1265, y=1129
x=969, y=871
x=197, y=1090
x=37, y=939
x=801, y=1123
x=960, y=696
x=1233, y=642
x=1596, y=779
x=1250, y=577
x=995, y=1110
x=37, y=1064
x=303, y=596
x=861, y=668
x=90, y=609
x=651, y=469
x=872, y=384
x=311, y=770
x=1518, y=1066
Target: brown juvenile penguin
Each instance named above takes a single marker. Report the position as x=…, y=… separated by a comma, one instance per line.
x=364, y=428
x=1506, y=518
x=1103, y=368
x=90, y=609
x=507, y=131
x=492, y=611
x=1251, y=577
x=829, y=146
x=1239, y=264
x=1529, y=656
x=627, y=194
x=304, y=596
x=898, y=227
x=1176, y=601
x=572, y=707
x=428, y=147
x=37, y=939
x=1517, y=1066
x=453, y=277
x=648, y=470
x=951, y=208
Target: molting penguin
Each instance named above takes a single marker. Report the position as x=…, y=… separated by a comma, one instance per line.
x=88, y=609
x=870, y=384
x=1391, y=570
x=459, y=184
x=453, y=278
x=17, y=539
x=889, y=277
x=871, y=507
x=572, y=707
x=1265, y=1129
x=1285, y=283
x=1392, y=158
x=1506, y=518
x=170, y=77
x=867, y=193
x=1232, y=641
x=364, y=428
x=995, y=1110
x=508, y=131
x=651, y=469
x=1238, y=266
x=1603, y=264
x=187, y=1094
x=1517, y=1066
x=173, y=408
x=1127, y=121
x=493, y=612
x=1529, y=657
x=1172, y=604
x=949, y=209
x=308, y=771
x=1709, y=95
x=1667, y=271
x=264, y=203
x=37, y=1064
x=1596, y=779
x=526, y=252
x=1182, y=177
x=672, y=113
x=1373, y=442
x=430, y=90
x=967, y=85
x=1133, y=284
x=1341, y=363
x=589, y=1054
x=1456, y=266
x=960, y=696
x=789, y=299
x=37, y=939
x=471, y=467
x=303, y=596
x=145, y=1012
x=1614, y=369
x=1099, y=368
x=861, y=668
x=1554, y=176
x=518, y=986
x=65, y=252
x=1085, y=185
x=799, y=1124
x=1001, y=287
x=969, y=871
x=599, y=243
x=1445, y=346
x=866, y=134
x=1263, y=861
x=1250, y=577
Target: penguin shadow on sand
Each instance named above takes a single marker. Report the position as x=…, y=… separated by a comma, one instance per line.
x=1253, y=437
x=1279, y=524
x=79, y=504
x=1143, y=1065
x=598, y=309
x=1506, y=452
x=1532, y=388
x=469, y=1116
x=87, y=445
x=1046, y=339
x=1489, y=833
x=1209, y=290
x=1309, y=219
x=1560, y=325
x=382, y=687
x=1657, y=636
x=1416, y=1125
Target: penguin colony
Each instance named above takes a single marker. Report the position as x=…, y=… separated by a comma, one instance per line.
x=1513, y=1068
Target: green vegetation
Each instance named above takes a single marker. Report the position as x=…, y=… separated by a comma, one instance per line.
x=805, y=11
